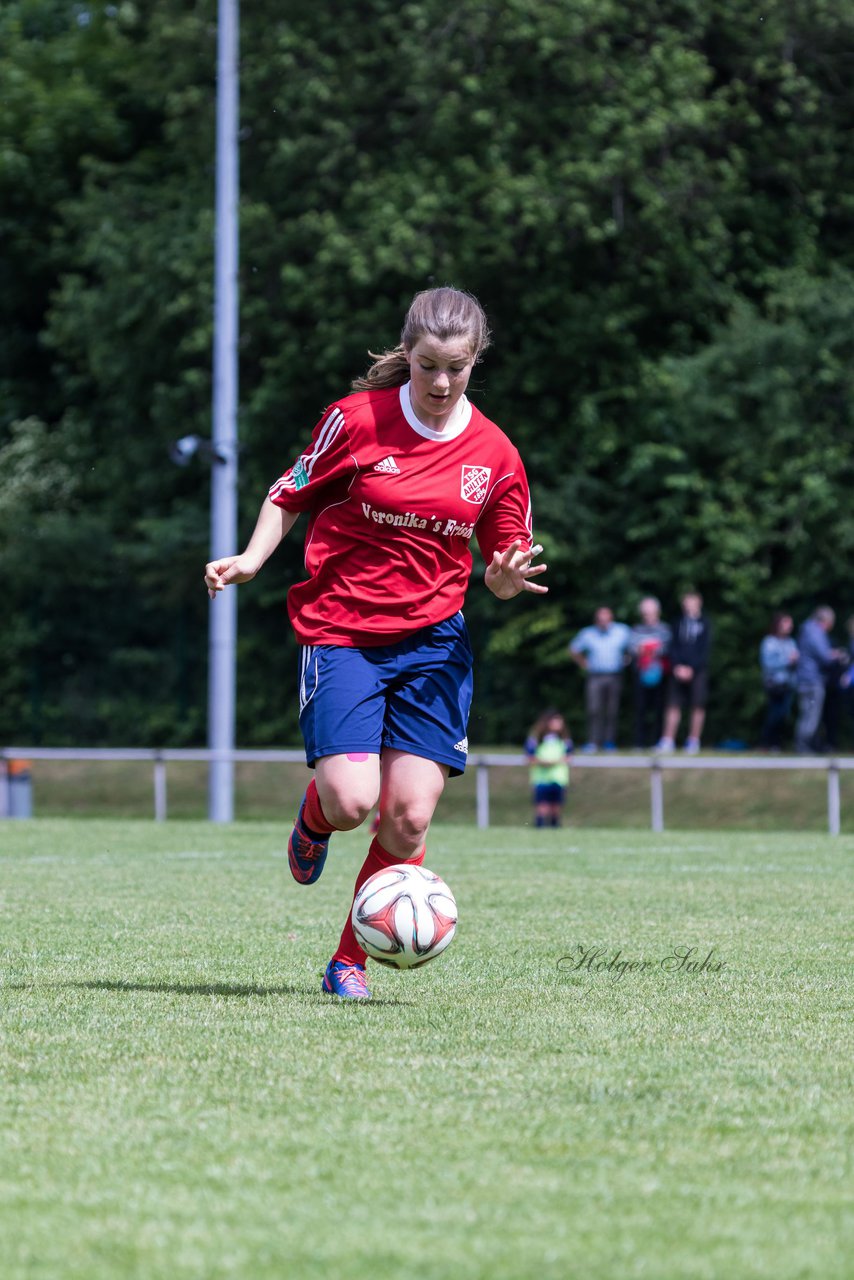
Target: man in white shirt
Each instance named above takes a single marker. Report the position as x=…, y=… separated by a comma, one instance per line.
x=602, y=652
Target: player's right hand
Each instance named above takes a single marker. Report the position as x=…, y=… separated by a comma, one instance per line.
x=230, y=570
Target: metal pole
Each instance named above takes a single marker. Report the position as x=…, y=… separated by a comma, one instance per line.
x=159, y=789
x=222, y=633
x=656, y=788
x=833, y=803
x=482, y=784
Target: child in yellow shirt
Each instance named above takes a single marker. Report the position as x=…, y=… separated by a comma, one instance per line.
x=549, y=745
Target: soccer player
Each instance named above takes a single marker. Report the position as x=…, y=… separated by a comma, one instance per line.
x=399, y=476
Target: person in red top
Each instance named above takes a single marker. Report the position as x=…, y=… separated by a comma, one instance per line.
x=398, y=478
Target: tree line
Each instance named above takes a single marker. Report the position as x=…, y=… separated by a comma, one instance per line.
x=653, y=200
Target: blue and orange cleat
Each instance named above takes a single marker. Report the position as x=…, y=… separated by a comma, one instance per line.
x=306, y=851
x=346, y=980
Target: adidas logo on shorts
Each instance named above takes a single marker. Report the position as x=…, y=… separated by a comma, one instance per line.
x=388, y=466
x=462, y=745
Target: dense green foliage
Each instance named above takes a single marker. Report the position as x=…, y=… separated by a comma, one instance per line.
x=653, y=200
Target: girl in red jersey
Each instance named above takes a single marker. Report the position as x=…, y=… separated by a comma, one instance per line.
x=398, y=478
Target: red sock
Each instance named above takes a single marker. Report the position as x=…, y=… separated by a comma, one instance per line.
x=312, y=815
x=378, y=858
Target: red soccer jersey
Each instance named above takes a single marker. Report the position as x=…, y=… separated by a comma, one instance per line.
x=392, y=506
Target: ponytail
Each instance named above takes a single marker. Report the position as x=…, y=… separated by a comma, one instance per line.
x=390, y=369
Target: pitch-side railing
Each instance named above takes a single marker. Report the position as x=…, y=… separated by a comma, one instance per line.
x=482, y=762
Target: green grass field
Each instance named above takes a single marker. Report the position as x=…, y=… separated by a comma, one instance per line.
x=178, y=1100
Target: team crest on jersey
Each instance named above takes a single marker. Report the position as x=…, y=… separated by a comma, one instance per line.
x=474, y=483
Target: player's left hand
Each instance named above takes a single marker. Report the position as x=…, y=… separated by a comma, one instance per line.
x=511, y=571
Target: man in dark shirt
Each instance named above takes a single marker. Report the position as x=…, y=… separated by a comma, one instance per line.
x=689, y=665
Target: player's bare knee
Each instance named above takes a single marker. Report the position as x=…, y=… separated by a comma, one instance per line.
x=345, y=812
x=410, y=829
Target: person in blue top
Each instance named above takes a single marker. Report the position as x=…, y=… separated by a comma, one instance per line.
x=846, y=674
x=778, y=658
x=816, y=660
x=602, y=652
x=549, y=746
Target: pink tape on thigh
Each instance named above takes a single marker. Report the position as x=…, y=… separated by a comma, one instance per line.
x=358, y=757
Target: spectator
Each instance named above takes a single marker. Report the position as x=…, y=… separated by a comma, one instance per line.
x=689, y=666
x=778, y=657
x=649, y=647
x=816, y=657
x=846, y=680
x=549, y=744
x=602, y=651
x=835, y=690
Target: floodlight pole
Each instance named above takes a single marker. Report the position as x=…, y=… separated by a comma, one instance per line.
x=222, y=633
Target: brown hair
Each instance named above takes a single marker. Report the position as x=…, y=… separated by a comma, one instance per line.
x=777, y=622
x=540, y=725
x=446, y=314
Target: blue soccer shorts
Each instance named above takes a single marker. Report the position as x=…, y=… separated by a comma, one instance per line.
x=549, y=793
x=412, y=696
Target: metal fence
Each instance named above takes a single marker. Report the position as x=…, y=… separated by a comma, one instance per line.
x=483, y=763
x=658, y=765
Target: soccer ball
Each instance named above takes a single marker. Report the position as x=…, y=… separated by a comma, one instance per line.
x=404, y=916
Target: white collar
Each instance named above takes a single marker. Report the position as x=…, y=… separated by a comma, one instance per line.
x=454, y=427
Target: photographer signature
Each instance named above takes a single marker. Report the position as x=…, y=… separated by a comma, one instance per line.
x=681, y=959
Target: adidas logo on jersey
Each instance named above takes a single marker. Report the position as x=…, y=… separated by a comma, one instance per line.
x=388, y=466
x=462, y=745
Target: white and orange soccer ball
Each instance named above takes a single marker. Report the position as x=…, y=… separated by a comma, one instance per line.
x=404, y=916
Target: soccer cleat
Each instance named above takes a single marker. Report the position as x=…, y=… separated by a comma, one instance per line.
x=347, y=981
x=692, y=747
x=306, y=852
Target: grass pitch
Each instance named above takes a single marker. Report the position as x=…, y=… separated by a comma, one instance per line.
x=178, y=1100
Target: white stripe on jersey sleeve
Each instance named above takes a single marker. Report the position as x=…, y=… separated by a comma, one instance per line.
x=329, y=432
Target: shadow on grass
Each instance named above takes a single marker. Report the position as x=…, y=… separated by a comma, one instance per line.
x=229, y=990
